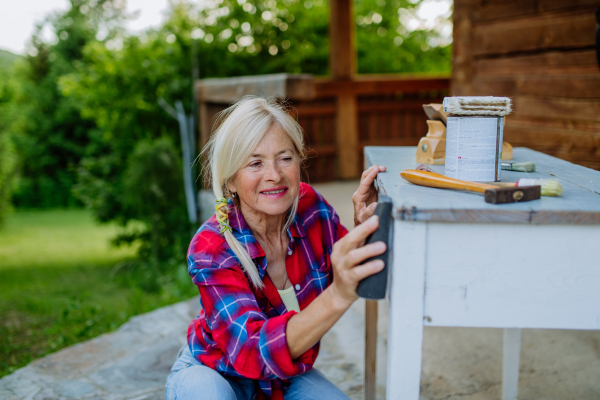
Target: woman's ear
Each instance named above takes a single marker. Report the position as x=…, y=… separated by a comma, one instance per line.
x=231, y=185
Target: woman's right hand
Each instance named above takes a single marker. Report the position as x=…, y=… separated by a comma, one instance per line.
x=348, y=256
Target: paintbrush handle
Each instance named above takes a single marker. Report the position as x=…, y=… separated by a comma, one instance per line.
x=502, y=184
x=431, y=179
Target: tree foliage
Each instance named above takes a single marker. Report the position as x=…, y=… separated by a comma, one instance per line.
x=7, y=153
x=53, y=135
x=90, y=98
x=8, y=112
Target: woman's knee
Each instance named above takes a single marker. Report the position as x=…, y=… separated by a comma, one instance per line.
x=313, y=385
x=198, y=382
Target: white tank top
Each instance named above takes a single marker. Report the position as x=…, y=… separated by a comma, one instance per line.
x=288, y=296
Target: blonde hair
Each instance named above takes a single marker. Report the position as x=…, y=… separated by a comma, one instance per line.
x=241, y=127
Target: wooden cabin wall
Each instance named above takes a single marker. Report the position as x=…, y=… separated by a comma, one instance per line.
x=383, y=120
x=541, y=53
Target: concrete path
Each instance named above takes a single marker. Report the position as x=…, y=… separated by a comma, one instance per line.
x=134, y=361
x=130, y=363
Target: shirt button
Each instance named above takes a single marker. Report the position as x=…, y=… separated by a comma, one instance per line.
x=289, y=252
x=297, y=287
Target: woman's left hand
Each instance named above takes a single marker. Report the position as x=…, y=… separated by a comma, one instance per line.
x=365, y=198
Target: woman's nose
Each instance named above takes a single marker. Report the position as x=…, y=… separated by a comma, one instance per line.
x=272, y=173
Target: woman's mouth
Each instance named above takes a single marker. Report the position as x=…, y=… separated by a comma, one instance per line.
x=275, y=193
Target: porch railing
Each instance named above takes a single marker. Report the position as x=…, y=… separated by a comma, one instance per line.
x=339, y=118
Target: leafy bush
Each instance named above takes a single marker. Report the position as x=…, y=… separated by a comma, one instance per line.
x=7, y=152
x=7, y=161
x=52, y=135
x=92, y=94
x=153, y=188
x=150, y=190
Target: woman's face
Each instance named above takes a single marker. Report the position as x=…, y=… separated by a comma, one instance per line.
x=269, y=181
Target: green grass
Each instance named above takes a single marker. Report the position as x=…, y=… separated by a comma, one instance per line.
x=59, y=284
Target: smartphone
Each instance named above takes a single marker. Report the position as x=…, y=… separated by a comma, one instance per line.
x=374, y=287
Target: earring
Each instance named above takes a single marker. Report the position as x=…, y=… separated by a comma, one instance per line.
x=233, y=195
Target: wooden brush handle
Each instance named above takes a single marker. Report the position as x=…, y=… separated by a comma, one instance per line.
x=431, y=179
x=502, y=184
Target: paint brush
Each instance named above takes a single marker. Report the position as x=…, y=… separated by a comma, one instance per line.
x=550, y=187
x=527, y=166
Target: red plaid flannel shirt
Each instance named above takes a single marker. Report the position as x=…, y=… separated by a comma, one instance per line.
x=241, y=332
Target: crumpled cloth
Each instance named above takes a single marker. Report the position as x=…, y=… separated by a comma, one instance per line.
x=478, y=105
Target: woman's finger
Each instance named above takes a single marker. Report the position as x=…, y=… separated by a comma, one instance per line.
x=357, y=236
x=367, y=181
x=366, y=172
x=368, y=178
x=365, y=213
x=360, y=254
x=367, y=269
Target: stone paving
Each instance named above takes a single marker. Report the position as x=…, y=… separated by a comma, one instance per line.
x=130, y=363
x=133, y=362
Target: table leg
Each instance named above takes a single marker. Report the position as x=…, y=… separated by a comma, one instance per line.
x=370, y=349
x=407, y=290
x=510, y=363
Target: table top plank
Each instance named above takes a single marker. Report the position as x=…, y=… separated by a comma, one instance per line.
x=580, y=203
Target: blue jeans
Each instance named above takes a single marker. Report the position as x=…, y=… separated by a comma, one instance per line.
x=191, y=380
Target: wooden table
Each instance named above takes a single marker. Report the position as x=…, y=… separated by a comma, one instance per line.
x=458, y=261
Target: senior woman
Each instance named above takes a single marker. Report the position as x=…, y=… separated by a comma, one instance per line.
x=274, y=267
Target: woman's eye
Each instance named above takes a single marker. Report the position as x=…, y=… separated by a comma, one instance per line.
x=255, y=164
x=287, y=159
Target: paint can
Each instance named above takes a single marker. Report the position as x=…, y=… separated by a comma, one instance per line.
x=474, y=147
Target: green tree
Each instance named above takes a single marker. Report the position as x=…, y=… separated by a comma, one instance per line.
x=118, y=88
x=7, y=113
x=53, y=136
x=119, y=81
x=395, y=36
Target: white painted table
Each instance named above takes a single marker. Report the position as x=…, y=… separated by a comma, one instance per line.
x=458, y=261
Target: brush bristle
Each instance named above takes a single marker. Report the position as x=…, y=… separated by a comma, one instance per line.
x=551, y=187
x=524, y=167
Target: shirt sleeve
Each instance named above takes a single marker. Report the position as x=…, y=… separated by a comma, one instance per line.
x=330, y=217
x=256, y=346
x=341, y=229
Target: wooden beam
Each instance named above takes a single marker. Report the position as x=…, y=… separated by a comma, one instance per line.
x=542, y=32
x=229, y=90
x=585, y=110
x=342, y=57
x=381, y=84
x=496, y=10
x=576, y=86
x=347, y=137
x=548, y=63
x=205, y=124
x=342, y=62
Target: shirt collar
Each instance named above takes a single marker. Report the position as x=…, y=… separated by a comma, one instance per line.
x=243, y=233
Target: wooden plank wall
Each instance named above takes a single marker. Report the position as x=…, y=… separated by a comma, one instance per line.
x=390, y=113
x=383, y=120
x=541, y=53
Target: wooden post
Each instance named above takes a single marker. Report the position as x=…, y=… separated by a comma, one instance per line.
x=204, y=125
x=510, y=363
x=343, y=67
x=462, y=39
x=370, y=349
x=347, y=136
x=342, y=56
